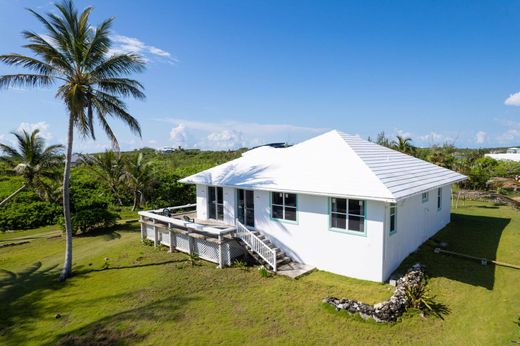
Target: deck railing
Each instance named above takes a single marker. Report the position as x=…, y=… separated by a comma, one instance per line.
x=256, y=244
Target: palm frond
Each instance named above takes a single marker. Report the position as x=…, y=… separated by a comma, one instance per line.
x=122, y=87
x=118, y=65
x=25, y=80
x=33, y=64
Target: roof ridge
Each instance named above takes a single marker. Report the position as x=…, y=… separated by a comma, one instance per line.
x=342, y=135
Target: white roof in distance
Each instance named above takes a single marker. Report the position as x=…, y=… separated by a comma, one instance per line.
x=334, y=164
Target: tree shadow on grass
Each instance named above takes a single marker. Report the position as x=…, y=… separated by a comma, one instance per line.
x=120, y=328
x=477, y=236
x=20, y=294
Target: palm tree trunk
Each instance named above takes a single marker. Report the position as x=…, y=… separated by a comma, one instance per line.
x=67, y=267
x=134, y=207
x=12, y=195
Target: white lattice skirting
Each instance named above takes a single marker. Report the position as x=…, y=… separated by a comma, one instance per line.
x=205, y=249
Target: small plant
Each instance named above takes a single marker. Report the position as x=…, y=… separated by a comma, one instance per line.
x=106, y=263
x=420, y=298
x=264, y=272
x=193, y=259
x=148, y=242
x=240, y=264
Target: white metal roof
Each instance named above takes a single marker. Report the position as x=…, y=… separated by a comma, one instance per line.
x=334, y=164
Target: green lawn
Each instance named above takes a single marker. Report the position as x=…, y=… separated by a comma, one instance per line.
x=148, y=296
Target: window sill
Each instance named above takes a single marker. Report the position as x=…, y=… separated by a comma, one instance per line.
x=345, y=231
x=285, y=221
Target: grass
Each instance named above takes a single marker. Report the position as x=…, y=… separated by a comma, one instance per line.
x=148, y=296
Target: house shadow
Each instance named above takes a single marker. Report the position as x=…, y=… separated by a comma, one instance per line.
x=477, y=236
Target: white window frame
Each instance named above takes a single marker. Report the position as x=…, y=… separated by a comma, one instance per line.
x=425, y=196
x=347, y=214
x=393, y=207
x=216, y=204
x=284, y=206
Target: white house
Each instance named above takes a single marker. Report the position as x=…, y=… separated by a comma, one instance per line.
x=512, y=154
x=335, y=201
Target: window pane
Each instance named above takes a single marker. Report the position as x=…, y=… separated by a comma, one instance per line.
x=290, y=213
x=277, y=198
x=220, y=195
x=356, y=223
x=220, y=212
x=356, y=207
x=338, y=221
x=240, y=198
x=392, y=223
x=290, y=199
x=250, y=218
x=249, y=199
x=339, y=205
x=211, y=194
x=277, y=212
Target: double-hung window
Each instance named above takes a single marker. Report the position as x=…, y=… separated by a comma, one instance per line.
x=215, y=203
x=425, y=196
x=284, y=206
x=439, y=198
x=347, y=214
x=393, y=218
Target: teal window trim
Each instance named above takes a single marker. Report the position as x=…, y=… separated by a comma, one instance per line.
x=296, y=222
x=439, y=198
x=392, y=231
x=347, y=231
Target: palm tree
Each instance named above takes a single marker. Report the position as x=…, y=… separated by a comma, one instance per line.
x=109, y=168
x=139, y=177
x=75, y=56
x=403, y=144
x=33, y=161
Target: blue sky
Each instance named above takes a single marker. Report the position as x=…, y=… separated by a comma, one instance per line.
x=224, y=74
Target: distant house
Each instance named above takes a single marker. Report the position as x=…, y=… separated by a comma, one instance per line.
x=511, y=154
x=335, y=202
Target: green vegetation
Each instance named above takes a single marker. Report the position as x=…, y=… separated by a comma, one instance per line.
x=74, y=56
x=148, y=296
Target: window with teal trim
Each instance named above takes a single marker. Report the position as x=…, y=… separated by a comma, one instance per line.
x=283, y=206
x=393, y=218
x=347, y=214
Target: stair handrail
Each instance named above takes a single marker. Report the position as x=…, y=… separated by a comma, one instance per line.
x=257, y=245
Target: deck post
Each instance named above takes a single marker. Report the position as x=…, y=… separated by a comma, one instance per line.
x=155, y=235
x=220, y=252
x=143, y=228
x=190, y=245
x=171, y=238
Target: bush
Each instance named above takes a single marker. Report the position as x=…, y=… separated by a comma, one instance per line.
x=15, y=216
x=90, y=215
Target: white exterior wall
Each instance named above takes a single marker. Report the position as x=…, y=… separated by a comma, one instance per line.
x=202, y=202
x=373, y=256
x=310, y=241
x=416, y=222
x=229, y=204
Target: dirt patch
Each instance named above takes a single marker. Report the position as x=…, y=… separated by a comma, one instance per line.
x=101, y=336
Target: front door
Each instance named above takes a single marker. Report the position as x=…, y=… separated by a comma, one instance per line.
x=246, y=207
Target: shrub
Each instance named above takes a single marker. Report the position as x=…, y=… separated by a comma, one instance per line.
x=89, y=213
x=17, y=216
x=264, y=272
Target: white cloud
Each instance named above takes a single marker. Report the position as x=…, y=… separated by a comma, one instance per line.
x=234, y=134
x=125, y=44
x=225, y=139
x=436, y=138
x=512, y=132
x=480, y=137
x=43, y=126
x=513, y=100
x=403, y=133
x=178, y=134
x=152, y=141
